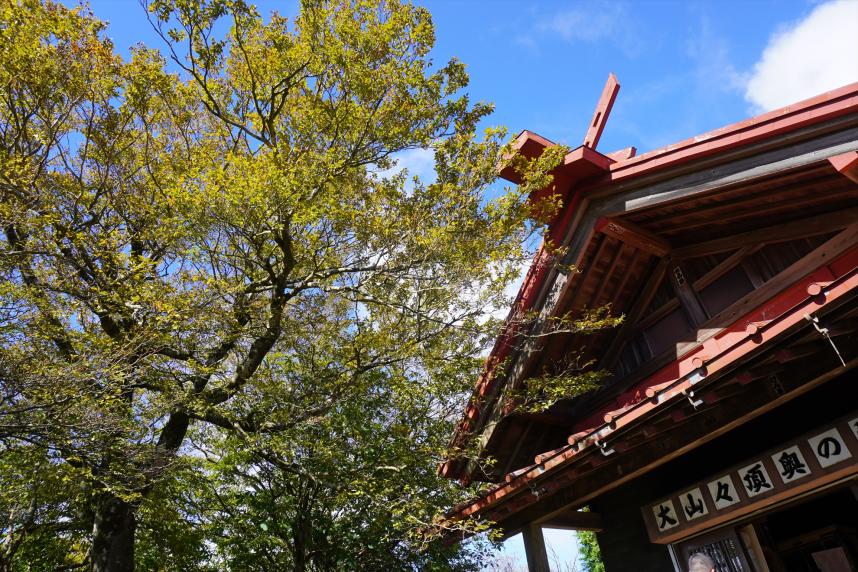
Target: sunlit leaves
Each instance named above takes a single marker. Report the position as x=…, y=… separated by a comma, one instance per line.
x=208, y=278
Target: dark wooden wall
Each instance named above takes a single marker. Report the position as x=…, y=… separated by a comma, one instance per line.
x=624, y=541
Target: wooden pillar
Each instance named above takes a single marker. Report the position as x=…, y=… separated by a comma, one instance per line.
x=534, y=548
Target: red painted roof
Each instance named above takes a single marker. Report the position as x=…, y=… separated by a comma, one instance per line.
x=585, y=170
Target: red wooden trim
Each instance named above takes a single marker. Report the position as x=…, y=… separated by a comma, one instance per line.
x=823, y=107
x=814, y=110
x=585, y=161
x=524, y=301
x=623, y=154
x=603, y=110
x=846, y=164
x=530, y=145
x=534, y=138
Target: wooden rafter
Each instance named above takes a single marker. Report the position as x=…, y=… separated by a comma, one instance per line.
x=775, y=233
x=637, y=310
x=634, y=235
x=575, y=520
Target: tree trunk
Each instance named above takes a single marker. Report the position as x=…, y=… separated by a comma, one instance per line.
x=300, y=548
x=113, y=535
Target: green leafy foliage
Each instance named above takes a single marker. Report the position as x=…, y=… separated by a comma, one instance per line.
x=591, y=554
x=573, y=374
x=230, y=336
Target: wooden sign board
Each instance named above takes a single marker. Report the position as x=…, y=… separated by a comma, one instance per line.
x=818, y=458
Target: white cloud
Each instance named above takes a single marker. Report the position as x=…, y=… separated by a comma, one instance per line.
x=817, y=54
x=713, y=69
x=586, y=23
x=418, y=162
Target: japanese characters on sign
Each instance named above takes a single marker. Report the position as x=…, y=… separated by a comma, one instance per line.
x=790, y=464
x=755, y=478
x=829, y=448
x=693, y=505
x=723, y=492
x=824, y=453
x=665, y=515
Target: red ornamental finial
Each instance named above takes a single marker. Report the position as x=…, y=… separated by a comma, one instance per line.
x=603, y=110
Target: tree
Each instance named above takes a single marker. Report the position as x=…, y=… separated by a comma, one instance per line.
x=591, y=554
x=350, y=492
x=220, y=257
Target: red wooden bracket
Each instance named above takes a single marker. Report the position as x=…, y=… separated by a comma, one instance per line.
x=846, y=164
x=623, y=154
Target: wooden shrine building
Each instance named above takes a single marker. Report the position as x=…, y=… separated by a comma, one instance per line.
x=729, y=424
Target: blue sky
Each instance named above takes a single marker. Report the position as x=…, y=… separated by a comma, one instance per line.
x=684, y=67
